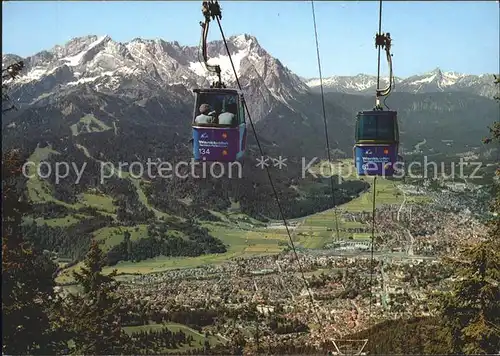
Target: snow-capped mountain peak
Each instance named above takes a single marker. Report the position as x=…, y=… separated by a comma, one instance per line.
x=143, y=64
x=436, y=80
x=351, y=84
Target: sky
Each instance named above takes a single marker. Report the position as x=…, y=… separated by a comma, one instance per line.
x=458, y=36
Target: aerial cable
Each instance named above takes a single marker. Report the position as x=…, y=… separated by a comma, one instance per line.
x=371, y=256
x=324, y=120
x=270, y=179
x=381, y=40
x=376, y=43
x=211, y=9
x=335, y=342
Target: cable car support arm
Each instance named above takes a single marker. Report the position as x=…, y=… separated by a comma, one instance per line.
x=383, y=41
x=211, y=10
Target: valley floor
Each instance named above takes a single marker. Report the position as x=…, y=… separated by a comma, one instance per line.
x=244, y=236
x=414, y=227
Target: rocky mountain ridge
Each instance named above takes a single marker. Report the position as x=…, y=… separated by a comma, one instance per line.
x=109, y=66
x=434, y=81
x=144, y=65
x=151, y=80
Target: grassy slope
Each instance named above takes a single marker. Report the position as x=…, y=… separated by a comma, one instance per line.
x=318, y=229
x=87, y=124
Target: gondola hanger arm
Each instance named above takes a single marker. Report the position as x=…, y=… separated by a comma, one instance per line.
x=210, y=10
x=384, y=41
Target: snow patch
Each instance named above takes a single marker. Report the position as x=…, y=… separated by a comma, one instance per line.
x=83, y=80
x=241, y=41
x=451, y=78
x=224, y=62
x=446, y=82
x=254, y=57
x=35, y=74
x=125, y=70
x=425, y=80
x=91, y=79
x=75, y=60
x=279, y=97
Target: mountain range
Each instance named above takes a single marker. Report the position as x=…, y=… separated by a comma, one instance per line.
x=98, y=60
x=431, y=82
x=146, y=71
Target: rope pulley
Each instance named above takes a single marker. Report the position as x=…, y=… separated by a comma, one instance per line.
x=210, y=10
x=383, y=40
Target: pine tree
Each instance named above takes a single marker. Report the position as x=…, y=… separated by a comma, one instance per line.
x=128, y=244
x=495, y=128
x=27, y=275
x=94, y=316
x=494, y=223
x=472, y=309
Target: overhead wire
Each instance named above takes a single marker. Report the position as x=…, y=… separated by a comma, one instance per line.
x=330, y=161
x=324, y=121
x=372, y=250
x=207, y=12
x=379, y=93
x=270, y=179
x=379, y=32
x=372, y=247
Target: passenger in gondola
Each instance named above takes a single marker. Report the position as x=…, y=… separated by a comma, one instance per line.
x=204, y=117
x=217, y=110
x=227, y=118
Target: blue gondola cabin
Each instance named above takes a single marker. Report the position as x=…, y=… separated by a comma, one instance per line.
x=377, y=143
x=219, y=127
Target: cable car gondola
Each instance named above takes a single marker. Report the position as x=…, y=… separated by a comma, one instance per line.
x=219, y=127
x=376, y=145
x=377, y=142
x=222, y=141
